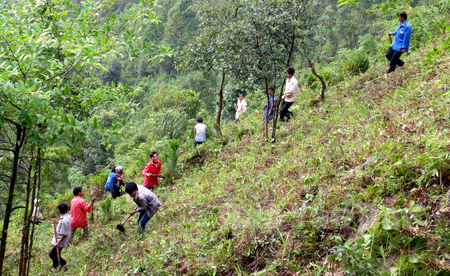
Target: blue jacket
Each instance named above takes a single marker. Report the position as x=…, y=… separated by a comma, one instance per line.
x=402, y=37
x=109, y=182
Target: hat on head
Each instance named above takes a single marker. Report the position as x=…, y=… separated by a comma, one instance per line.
x=119, y=169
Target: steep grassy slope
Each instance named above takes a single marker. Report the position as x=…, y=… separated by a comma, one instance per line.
x=353, y=185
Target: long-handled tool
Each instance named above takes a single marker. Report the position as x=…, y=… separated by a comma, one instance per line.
x=57, y=248
x=120, y=226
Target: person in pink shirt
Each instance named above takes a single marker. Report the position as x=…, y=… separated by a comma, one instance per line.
x=152, y=171
x=78, y=213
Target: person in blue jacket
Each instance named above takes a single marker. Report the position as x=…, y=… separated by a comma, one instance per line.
x=109, y=182
x=401, y=43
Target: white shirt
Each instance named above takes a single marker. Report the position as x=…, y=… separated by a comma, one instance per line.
x=63, y=228
x=290, y=93
x=200, y=132
x=241, y=107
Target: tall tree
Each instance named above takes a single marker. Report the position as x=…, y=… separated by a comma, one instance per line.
x=50, y=54
x=251, y=40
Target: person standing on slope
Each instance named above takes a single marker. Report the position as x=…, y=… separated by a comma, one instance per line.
x=109, y=182
x=199, y=132
x=289, y=96
x=117, y=182
x=241, y=106
x=401, y=43
x=60, y=240
x=269, y=106
x=152, y=171
x=79, y=209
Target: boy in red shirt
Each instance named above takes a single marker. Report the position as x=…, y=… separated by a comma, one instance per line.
x=78, y=213
x=152, y=171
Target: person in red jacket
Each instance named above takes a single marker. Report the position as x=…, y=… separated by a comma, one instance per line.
x=152, y=171
x=78, y=213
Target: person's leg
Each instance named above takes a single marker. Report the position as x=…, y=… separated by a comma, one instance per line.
x=389, y=53
x=395, y=60
x=85, y=232
x=144, y=220
x=72, y=233
x=53, y=255
x=286, y=112
x=141, y=214
x=61, y=260
x=282, y=111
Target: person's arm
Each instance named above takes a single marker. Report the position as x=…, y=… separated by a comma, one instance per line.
x=119, y=178
x=146, y=170
x=60, y=240
x=144, y=203
x=244, y=107
x=406, y=39
x=91, y=206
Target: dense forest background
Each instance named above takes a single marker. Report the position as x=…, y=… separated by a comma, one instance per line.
x=150, y=96
x=166, y=101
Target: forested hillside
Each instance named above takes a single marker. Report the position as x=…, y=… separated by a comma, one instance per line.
x=355, y=184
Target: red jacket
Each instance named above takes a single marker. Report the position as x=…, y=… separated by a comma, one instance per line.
x=151, y=181
x=78, y=212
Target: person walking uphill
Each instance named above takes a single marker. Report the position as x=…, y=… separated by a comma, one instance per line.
x=152, y=171
x=60, y=240
x=401, y=43
x=147, y=202
x=289, y=96
x=79, y=209
x=200, y=132
x=241, y=106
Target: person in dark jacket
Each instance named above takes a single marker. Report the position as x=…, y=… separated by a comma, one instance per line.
x=147, y=202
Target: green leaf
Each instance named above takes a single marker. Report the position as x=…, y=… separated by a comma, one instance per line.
x=143, y=2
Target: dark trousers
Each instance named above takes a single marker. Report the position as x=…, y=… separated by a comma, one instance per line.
x=53, y=255
x=142, y=220
x=284, y=111
x=197, y=143
x=394, y=58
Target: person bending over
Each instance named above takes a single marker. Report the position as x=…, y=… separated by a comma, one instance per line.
x=147, y=202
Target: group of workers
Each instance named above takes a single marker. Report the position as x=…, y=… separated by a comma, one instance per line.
x=148, y=203
x=147, y=206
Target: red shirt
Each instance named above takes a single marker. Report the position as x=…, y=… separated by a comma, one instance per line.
x=151, y=181
x=78, y=212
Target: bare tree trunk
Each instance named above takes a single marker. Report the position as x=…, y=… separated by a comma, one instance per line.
x=266, y=119
x=20, y=135
x=276, y=112
x=277, y=108
x=26, y=225
x=220, y=105
x=37, y=178
x=313, y=70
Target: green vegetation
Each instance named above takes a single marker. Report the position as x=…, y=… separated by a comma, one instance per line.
x=354, y=185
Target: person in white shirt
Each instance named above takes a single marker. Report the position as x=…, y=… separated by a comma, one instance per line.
x=289, y=96
x=200, y=132
x=61, y=238
x=241, y=106
x=36, y=217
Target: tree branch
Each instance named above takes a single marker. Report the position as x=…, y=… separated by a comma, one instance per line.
x=15, y=58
